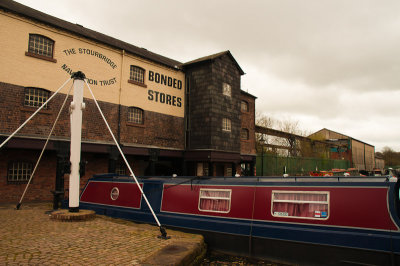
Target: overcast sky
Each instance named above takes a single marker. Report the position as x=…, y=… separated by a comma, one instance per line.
x=325, y=64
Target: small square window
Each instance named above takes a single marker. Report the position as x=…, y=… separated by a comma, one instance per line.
x=19, y=171
x=215, y=200
x=226, y=124
x=226, y=89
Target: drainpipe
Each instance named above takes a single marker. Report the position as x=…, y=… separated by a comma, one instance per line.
x=365, y=163
x=119, y=99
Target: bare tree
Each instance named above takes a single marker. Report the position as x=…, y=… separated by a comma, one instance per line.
x=287, y=126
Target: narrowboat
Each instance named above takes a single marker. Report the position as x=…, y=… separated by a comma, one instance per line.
x=295, y=220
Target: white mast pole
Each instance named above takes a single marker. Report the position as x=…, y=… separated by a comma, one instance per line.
x=77, y=105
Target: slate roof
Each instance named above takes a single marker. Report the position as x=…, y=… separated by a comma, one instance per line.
x=22, y=10
x=212, y=57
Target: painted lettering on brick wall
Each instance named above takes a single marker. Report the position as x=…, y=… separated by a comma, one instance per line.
x=161, y=97
x=89, y=52
x=165, y=80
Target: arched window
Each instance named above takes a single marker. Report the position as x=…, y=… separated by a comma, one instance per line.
x=135, y=115
x=136, y=75
x=40, y=46
x=244, y=106
x=36, y=97
x=244, y=134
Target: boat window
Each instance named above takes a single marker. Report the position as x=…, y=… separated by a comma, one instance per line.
x=215, y=200
x=301, y=204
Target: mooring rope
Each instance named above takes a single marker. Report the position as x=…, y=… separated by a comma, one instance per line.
x=37, y=111
x=44, y=147
x=126, y=162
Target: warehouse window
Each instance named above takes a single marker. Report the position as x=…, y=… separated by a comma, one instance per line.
x=41, y=47
x=19, y=171
x=36, y=97
x=226, y=124
x=136, y=76
x=215, y=200
x=244, y=134
x=226, y=89
x=120, y=168
x=244, y=106
x=135, y=115
x=300, y=204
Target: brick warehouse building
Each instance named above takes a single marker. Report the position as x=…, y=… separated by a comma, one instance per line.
x=169, y=117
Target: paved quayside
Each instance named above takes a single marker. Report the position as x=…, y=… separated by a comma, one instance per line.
x=30, y=237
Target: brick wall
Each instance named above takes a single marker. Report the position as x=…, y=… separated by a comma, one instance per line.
x=158, y=129
x=44, y=179
x=42, y=183
x=248, y=122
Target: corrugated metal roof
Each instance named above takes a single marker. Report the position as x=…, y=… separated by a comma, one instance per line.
x=325, y=129
x=22, y=10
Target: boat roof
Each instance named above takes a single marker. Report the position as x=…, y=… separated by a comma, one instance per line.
x=247, y=180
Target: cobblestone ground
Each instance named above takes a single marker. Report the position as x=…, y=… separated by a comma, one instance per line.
x=29, y=237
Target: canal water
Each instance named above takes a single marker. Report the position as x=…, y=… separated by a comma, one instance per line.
x=215, y=259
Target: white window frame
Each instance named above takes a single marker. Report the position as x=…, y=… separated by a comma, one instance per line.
x=226, y=125
x=281, y=215
x=215, y=198
x=226, y=89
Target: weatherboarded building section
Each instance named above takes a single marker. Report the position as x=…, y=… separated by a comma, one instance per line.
x=169, y=117
x=360, y=154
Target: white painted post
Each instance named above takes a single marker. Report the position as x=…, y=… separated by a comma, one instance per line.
x=77, y=105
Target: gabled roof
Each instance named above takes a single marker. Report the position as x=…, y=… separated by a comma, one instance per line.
x=212, y=57
x=348, y=137
x=248, y=94
x=19, y=9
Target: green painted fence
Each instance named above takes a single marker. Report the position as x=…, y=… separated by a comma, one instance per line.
x=274, y=165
